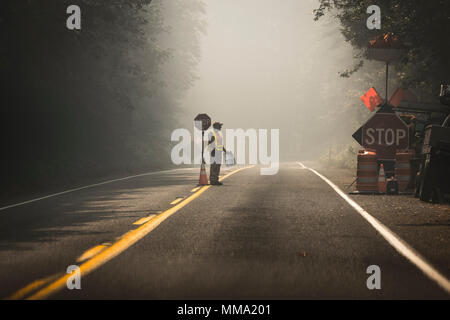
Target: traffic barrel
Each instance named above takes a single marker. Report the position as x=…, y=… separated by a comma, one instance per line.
x=403, y=168
x=367, y=173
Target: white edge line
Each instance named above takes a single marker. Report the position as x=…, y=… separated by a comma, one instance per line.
x=89, y=186
x=394, y=240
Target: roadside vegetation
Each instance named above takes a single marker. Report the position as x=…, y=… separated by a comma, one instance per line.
x=421, y=26
x=89, y=103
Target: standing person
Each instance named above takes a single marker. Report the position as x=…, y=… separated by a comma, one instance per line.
x=215, y=142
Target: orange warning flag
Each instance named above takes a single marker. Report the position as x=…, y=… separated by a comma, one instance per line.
x=397, y=97
x=371, y=99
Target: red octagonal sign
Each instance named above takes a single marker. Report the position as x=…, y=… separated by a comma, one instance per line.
x=385, y=133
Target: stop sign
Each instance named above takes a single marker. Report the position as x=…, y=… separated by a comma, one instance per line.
x=385, y=133
x=202, y=121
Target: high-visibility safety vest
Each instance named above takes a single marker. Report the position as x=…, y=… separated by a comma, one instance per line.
x=218, y=140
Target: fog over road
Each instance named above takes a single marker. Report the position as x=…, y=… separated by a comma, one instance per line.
x=288, y=235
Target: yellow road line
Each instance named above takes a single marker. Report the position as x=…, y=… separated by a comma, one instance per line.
x=195, y=189
x=31, y=287
x=145, y=219
x=177, y=200
x=233, y=172
x=92, y=252
x=123, y=244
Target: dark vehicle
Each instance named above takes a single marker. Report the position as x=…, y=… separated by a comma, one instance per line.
x=433, y=178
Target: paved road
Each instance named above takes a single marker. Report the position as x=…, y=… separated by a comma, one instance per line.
x=284, y=236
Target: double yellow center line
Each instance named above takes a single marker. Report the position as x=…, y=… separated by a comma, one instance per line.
x=124, y=242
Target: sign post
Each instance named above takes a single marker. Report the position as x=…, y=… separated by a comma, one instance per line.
x=202, y=122
x=387, y=48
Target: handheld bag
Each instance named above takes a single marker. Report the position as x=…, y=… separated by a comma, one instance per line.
x=229, y=159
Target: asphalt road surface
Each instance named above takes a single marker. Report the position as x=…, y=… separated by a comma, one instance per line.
x=286, y=236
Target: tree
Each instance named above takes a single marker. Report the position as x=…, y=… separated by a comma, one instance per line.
x=70, y=98
x=422, y=26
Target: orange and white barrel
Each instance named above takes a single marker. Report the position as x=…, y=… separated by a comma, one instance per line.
x=367, y=172
x=403, y=168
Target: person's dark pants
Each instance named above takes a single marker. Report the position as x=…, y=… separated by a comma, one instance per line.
x=214, y=170
x=214, y=173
